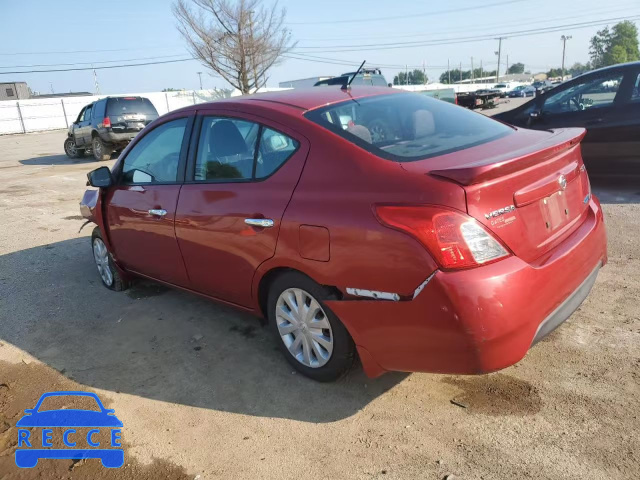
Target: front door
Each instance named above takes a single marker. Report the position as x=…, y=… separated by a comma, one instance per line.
x=592, y=103
x=141, y=208
x=83, y=124
x=229, y=212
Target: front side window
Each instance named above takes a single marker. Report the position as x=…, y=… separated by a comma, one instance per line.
x=635, y=94
x=239, y=150
x=87, y=114
x=155, y=158
x=590, y=93
x=407, y=127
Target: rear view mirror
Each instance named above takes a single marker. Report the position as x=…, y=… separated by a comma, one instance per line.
x=100, y=177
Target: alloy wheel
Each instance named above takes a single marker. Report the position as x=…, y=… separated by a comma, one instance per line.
x=70, y=147
x=101, y=256
x=304, y=327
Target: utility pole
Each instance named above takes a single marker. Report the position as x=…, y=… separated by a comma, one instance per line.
x=95, y=81
x=406, y=74
x=424, y=73
x=564, y=39
x=449, y=71
x=481, y=72
x=506, y=72
x=499, y=53
x=471, y=69
x=200, y=75
x=461, y=71
x=51, y=86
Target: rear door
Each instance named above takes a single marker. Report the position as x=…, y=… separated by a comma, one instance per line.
x=617, y=153
x=241, y=177
x=141, y=207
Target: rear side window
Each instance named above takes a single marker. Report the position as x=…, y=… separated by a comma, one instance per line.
x=239, y=150
x=407, y=127
x=130, y=106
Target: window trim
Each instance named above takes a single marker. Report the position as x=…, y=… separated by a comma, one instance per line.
x=182, y=161
x=195, y=141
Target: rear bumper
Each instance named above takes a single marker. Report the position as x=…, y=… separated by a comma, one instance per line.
x=483, y=319
x=117, y=138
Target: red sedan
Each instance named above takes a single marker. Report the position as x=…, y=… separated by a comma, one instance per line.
x=412, y=233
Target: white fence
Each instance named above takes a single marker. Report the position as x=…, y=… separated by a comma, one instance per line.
x=38, y=115
x=458, y=87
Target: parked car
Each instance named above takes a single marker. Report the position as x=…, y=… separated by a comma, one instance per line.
x=504, y=88
x=606, y=102
x=522, y=91
x=444, y=94
x=368, y=76
x=108, y=125
x=371, y=222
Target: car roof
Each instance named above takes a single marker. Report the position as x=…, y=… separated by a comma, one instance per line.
x=310, y=98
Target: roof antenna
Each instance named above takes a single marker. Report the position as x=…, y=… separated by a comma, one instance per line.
x=347, y=86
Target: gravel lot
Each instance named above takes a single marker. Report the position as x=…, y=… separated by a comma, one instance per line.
x=227, y=405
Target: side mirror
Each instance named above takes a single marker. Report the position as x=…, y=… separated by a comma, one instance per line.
x=100, y=177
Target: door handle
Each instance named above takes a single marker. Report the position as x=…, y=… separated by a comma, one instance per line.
x=259, y=222
x=158, y=212
x=595, y=121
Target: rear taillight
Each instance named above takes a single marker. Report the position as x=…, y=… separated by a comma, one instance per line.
x=106, y=123
x=455, y=98
x=454, y=239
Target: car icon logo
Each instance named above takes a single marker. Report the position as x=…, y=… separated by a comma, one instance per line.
x=68, y=420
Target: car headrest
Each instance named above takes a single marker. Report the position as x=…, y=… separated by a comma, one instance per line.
x=360, y=131
x=225, y=139
x=423, y=123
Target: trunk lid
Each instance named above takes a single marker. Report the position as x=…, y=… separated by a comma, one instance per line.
x=530, y=189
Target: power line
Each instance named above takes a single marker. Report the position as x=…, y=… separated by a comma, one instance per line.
x=431, y=33
x=88, y=63
x=399, y=17
x=91, y=51
x=98, y=68
x=451, y=41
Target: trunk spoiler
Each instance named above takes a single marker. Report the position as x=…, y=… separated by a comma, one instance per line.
x=490, y=168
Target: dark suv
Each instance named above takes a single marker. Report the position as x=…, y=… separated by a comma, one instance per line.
x=108, y=125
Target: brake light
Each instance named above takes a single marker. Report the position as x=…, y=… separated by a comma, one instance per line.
x=106, y=123
x=454, y=239
x=455, y=98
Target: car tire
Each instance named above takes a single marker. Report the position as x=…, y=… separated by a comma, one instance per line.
x=100, y=150
x=322, y=367
x=108, y=272
x=71, y=149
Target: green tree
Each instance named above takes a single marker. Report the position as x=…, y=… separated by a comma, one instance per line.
x=415, y=77
x=466, y=74
x=618, y=45
x=516, y=68
x=554, y=72
x=625, y=35
x=579, y=68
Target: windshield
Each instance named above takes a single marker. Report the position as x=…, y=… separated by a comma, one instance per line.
x=130, y=105
x=407, y=127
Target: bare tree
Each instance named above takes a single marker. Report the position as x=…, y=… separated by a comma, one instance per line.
x=239, y=40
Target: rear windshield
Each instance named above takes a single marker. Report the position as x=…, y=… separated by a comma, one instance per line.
x=407, y=127
x=130, y=105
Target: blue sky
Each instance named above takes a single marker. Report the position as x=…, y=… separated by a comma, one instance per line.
x=40, y=32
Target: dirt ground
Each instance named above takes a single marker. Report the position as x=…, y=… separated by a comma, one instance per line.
x=227, y=405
